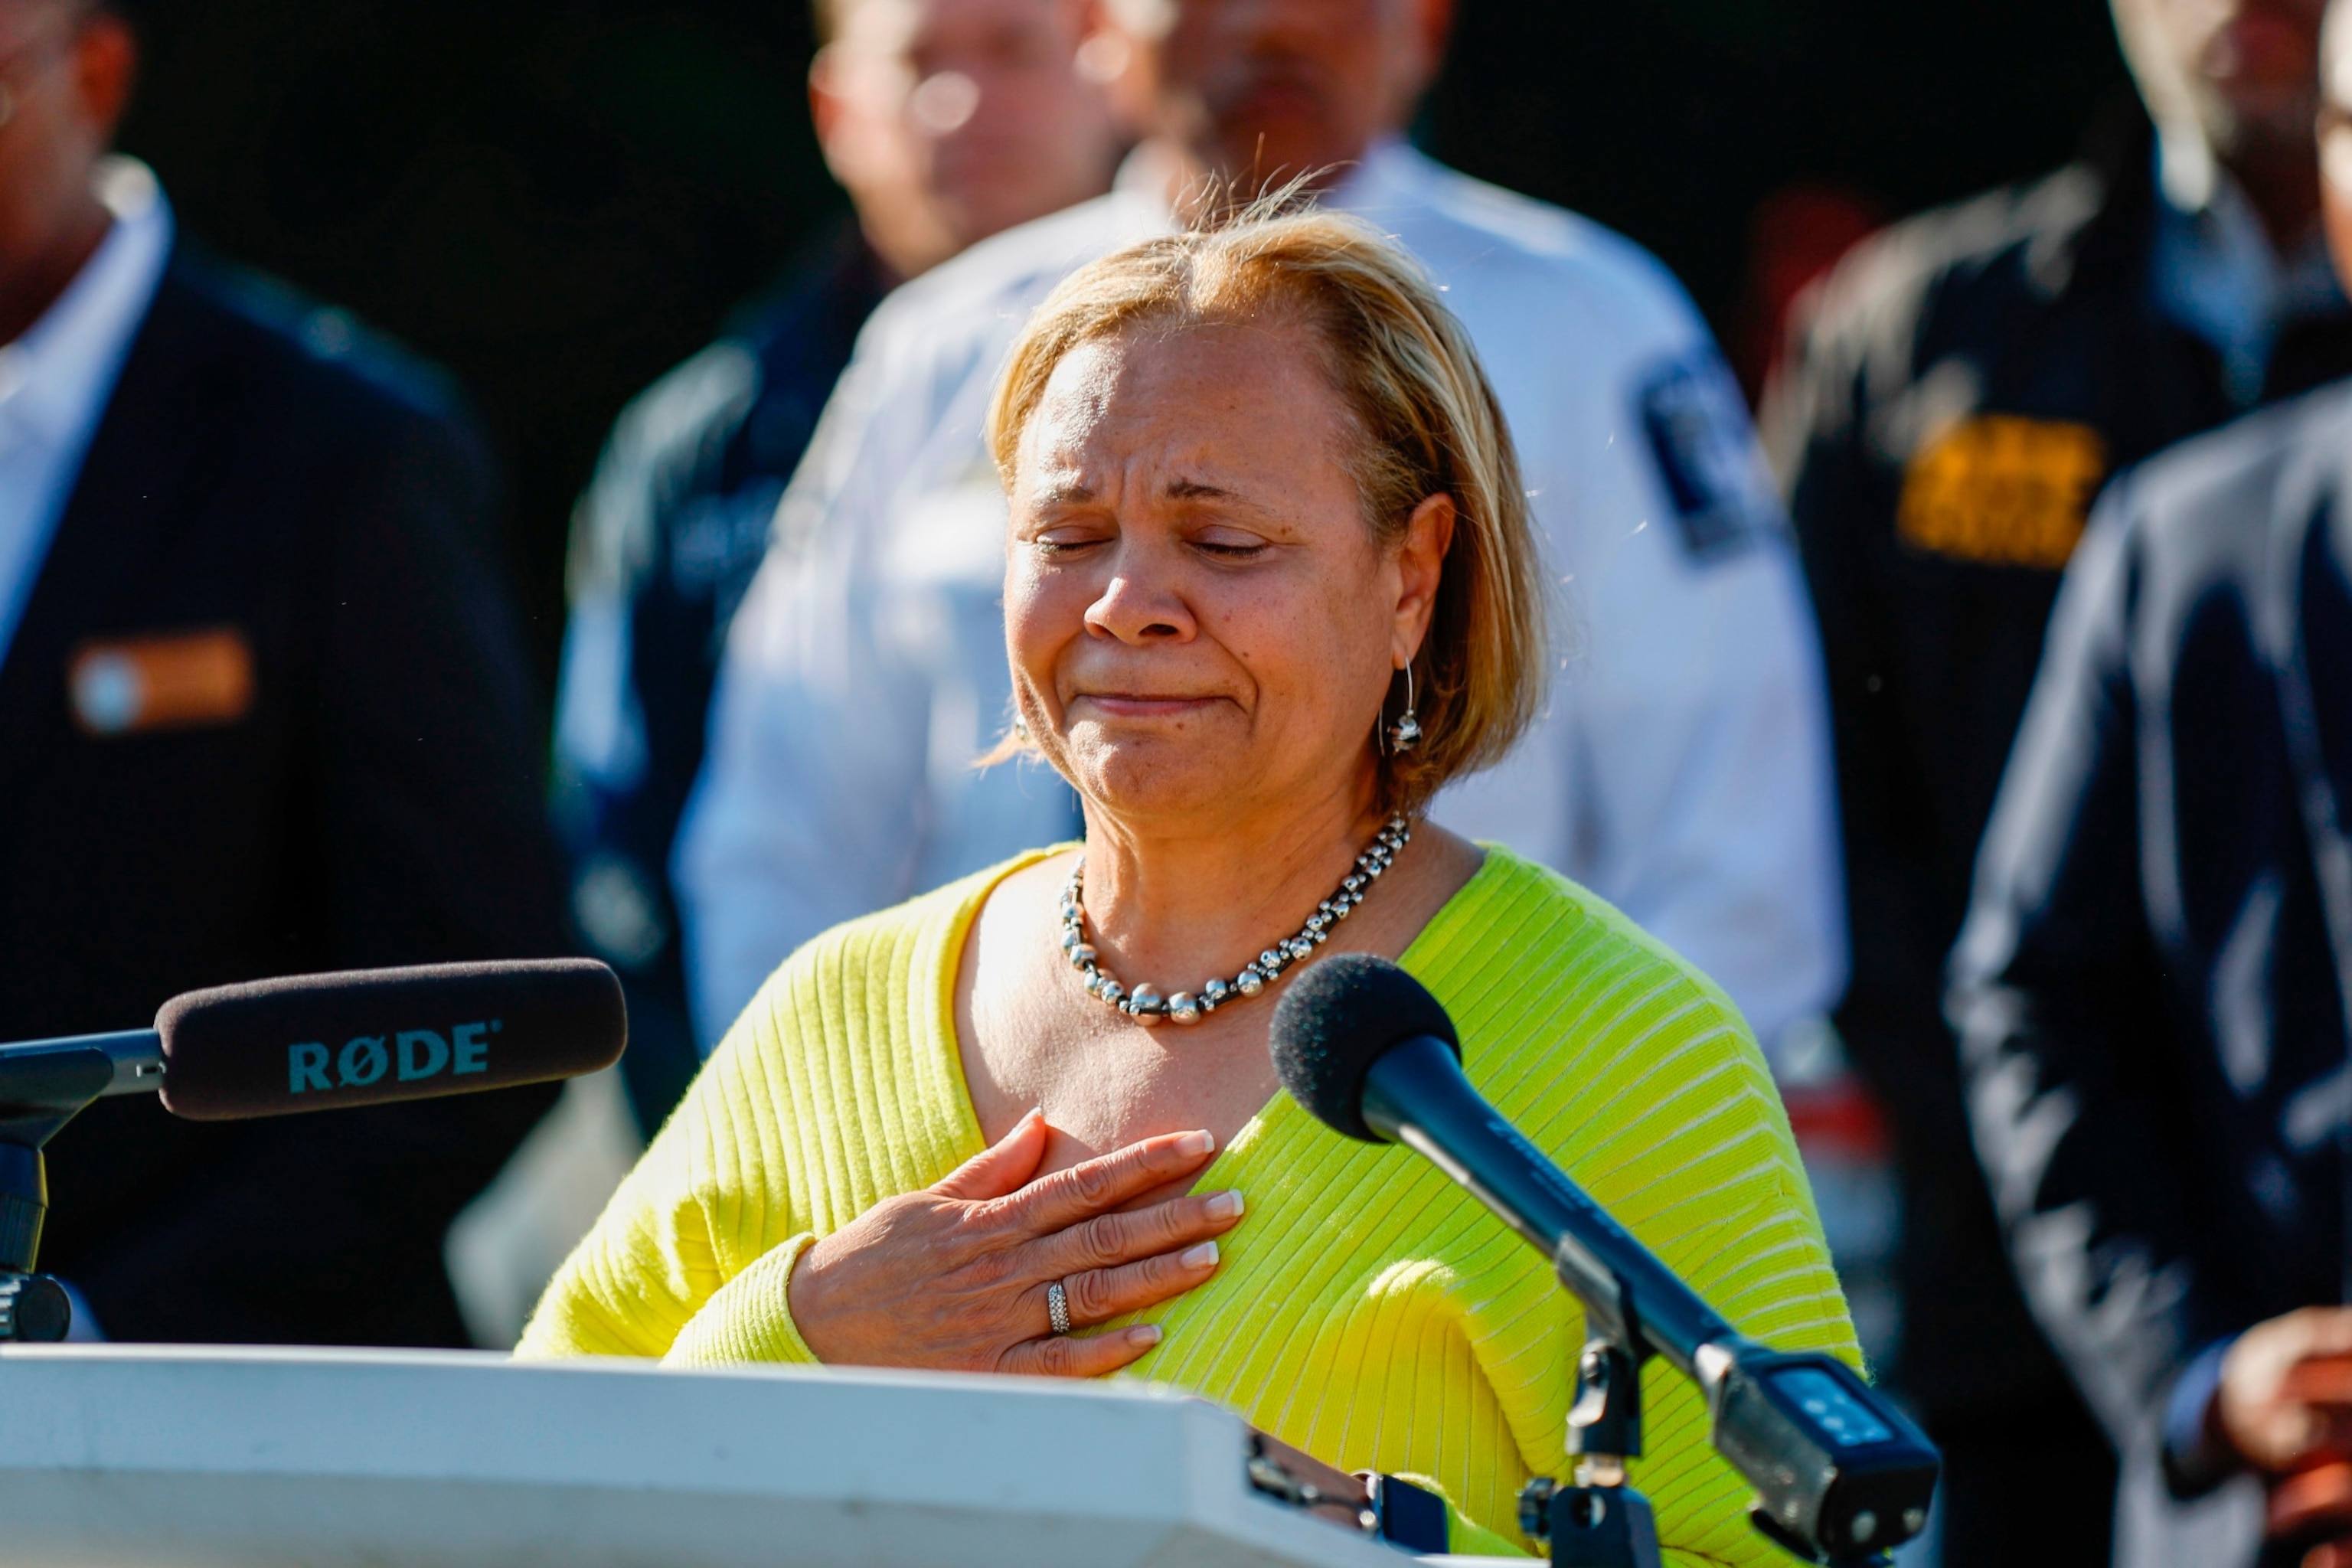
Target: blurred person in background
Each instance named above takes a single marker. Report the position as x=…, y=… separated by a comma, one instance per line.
x=945, y=121
x=262, y=710
x=1681, y=771
x=1962, y=386
x=2150, y=988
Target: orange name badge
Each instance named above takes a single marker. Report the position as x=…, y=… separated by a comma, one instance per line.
x=171, y=680
x=2003, y=490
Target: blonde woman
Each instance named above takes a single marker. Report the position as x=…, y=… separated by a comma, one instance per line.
x=1269, y=584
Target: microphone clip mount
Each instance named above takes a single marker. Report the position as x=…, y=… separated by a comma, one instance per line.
x=1599, y=1521
x=43, y=1085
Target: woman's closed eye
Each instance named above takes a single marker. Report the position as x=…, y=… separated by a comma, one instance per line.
x=1227, y=543
x=1069, y=539
x=1222, y=543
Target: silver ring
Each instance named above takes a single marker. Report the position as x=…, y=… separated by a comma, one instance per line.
x=1058, y=1307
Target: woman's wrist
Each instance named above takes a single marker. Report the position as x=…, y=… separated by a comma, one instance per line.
x=805, y=1300
x=749, y=1320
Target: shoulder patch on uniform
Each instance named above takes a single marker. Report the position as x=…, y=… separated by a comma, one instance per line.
x=1707, y=459
x=2000, y=489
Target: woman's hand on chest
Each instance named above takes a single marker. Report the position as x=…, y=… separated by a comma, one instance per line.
x=990, y=1270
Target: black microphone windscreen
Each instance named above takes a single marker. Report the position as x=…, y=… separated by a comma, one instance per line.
x=370, y=1037
x=1338, y=1018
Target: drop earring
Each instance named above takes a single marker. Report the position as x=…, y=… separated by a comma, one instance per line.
x=1405, y=733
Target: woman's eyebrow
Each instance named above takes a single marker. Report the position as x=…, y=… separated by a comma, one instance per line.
x=1077, y=493
x=1065, y=492
x=1196, y=489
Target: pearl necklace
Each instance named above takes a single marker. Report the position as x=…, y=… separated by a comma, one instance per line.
x=1144, y=1004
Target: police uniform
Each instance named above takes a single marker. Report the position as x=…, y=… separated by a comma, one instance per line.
x=1681, y=769
x=663, y=543
x=1965, y=384
x=2149, y=991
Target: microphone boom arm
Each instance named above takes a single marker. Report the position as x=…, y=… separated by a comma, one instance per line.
x=39, y=1072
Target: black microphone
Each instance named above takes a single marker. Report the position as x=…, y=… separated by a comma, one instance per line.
x=319, y=1042
x=1370, y=1053
x=308, y=1042
x=376, y=1037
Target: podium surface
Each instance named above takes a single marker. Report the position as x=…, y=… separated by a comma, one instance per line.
x=142, y=1457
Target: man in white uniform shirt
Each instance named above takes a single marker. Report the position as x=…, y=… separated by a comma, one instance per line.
x=1682, y=770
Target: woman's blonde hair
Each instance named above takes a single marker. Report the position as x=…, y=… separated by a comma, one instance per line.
x=1427, y=423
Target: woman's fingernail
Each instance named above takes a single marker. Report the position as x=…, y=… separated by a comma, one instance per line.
x=1226, y=1205
x=1196, y=1143
x=1199, y=1257
x=1143, y=1334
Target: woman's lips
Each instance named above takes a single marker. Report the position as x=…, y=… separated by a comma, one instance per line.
x=1135, y=705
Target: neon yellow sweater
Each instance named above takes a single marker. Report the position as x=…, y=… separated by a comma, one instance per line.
x=1367, y=1310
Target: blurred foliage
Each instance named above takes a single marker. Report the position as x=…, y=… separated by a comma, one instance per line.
x=561, y=199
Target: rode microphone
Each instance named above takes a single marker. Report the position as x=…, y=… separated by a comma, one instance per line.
x=375, y=1036
x=1839, y=1474
x=311, y=1042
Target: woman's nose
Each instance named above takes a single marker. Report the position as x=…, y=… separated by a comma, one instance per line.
x=1134, y=611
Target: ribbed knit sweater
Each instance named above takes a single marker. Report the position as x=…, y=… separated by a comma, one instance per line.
x=1366, y=1309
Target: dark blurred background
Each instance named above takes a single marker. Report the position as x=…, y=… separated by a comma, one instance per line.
x=558, y=199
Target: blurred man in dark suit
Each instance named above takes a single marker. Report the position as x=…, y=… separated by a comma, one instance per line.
x=262, y=712
x=946, y=120
x=2150, y=990
x=1966, y=383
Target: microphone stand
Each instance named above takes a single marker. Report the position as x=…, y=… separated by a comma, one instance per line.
x=1600, y=1522
x=1796, y=1426
x=43, y=1085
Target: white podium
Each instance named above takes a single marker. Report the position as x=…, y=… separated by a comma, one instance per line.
x=143, y=1457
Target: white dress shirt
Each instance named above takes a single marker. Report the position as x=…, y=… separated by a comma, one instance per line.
x=1681, y=770
x=56, y=380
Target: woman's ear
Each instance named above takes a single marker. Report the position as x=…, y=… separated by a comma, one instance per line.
x=1421, y=564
